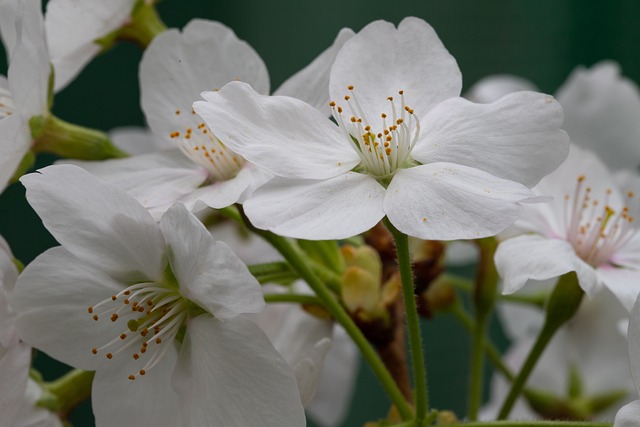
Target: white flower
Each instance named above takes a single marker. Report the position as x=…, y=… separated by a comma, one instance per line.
x=24, y=93
x=405, y=146
x=588, y=228
x=629, y=415
x=153, y=309
x=200, y=171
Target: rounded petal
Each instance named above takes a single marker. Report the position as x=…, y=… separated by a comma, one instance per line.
x=444, y=201
x=311, y=84
x=517, y=137
x=208, y=272
x=148, y=401
x=52, y=303
x=624, y=283
x=15, y=141
x=138, y=140
x=628, y=415
x=601, y=113
x=381, y=60
x=335, y=208
x=533, y=257
x=72, y=27
x=283, y=135
x=96, y=222
x=177, y=67
x=492, y=88
x=229, y=375
x=29, y=69
x=14, y=372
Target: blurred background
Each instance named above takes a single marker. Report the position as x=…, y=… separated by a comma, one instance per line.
x=541, y=41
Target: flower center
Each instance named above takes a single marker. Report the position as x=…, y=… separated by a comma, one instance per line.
x=594, y=228
x=150, y=316
x=7, y=107
x=201, y=146
x=385, y=148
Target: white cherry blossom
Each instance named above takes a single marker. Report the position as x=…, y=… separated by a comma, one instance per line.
x=154, y=309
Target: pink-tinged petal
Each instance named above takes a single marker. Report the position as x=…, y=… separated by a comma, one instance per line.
x=517, y=137
x=149, y=400
x=492, y=88
x=29, y=69
x=208, y=272
x=533, y=257
x=284, y=135
x=72, y=26
x=15, y=141
x=601, y=113
x=155, y=179
x=52, y=304
x=444, y=201
x=382, y=60
x=137, y=140
x=221, y=194
x=178, y=66
x=311, y=84
x=97, y=222
x=629, y=254
x=628, y=415
x=229, y=375
x=14, y=372
x=335, y=208
x=624, y=283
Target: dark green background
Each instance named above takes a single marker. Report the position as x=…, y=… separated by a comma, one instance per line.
x=539, y=40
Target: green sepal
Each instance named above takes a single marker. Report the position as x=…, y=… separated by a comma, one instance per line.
x=26, y=164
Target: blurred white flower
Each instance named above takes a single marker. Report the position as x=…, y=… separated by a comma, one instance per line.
x=629, y=414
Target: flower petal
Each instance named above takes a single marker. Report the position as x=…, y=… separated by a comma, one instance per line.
x=229, y=375
x=208, y=272
x=492, y=88
x=533, y=257
x=382, y=60
x=633, y=337
x=72, y=27
x=177, y=66
x=15, y=141
x=138, y=140
x=8, y=18
x=29, y=69
x=601, y=113
x=283, y=135
x=444, y=201
x=311, y=84
x=148, y=401
x=624, y=283
x=96, y=222
x=629, y=254
x=52, y=303
x=14, y=372
x=628, y=415
x=335, y=208
x=517, y=137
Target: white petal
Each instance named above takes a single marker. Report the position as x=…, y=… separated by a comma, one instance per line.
x=29, y=69
x=208, y=272
x=8, y=18
x=96, y=222
x=624, y=283
x=176, y=67
x=461, y=253
x=629, y=254
x=311, y=84
x=72, y=26
x=250, y=248
x=517, y=137
x=633, y=337
x=154, y=179
x=147, y=401
x=335, y=208
x=601, y=110
x=52, y=304
x=382, y=60
x=221, y=194
x=14, y=371
x=444, y=201
x=628, y=415
x=137, y=140
x=492, y=88
x=283, y=135
x=15, y=141
x=532, y=257
x=229, y=375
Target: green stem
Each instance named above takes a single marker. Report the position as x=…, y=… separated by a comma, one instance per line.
x=464, y=284
x=293, y=298
x=273, y=272
x=145, y=25
x=563, y=303
x=56, y=136
x=533, y=424
x=413, y=321
x=483, y=300
x=297, y=260
x=71, y=389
